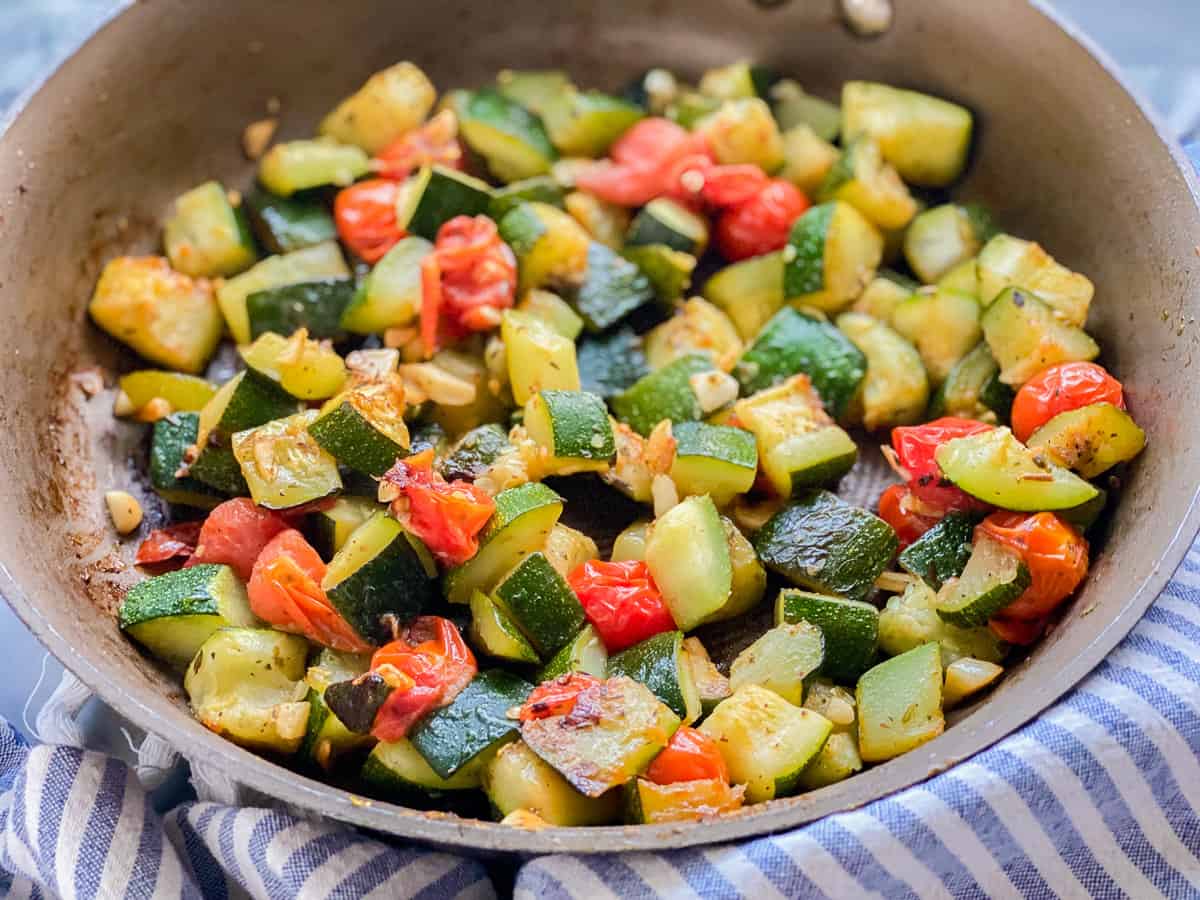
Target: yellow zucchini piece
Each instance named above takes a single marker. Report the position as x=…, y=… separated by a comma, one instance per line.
x=393, y=102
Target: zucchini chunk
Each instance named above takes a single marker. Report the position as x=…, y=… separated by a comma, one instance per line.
x=993, y=578
x=329, y=529
x=996, y=468
x=396, y=769
x=611, y=363
x=583, y=653
x=941, y=553
x=649, y=803
x=1090, y=440
x=183, y=393
x=605, y=222
x=285, y=224
x=539, y=189
x=711, y=685
x=393, y=102
x=320, y=261
x=900, y=704
x=283, y=465
x=516, y=778
x=963, y=278
x=380, y=575
x=911, y=619
x=568, y=549
x=171, y=615
x=925, y=138
x=624, y=729
x=316, y=306
x=540, y=603
x=1025, y=337
x=766, y=742
x=573, y=430
x=667, y=393
x=435, y=195
x=943, y=326
x=554, y=311
x=538, y=357
x=550, y=246
x=663, y=221
x=750, y=292
x=832, y=254
x=799, y=446
x=363, y=427
x=944, y=237
x=327, y=739
x=474, y=453
x=171, y=440
x=661, y=664
x=1007, y=262
x=473, y=723
x=245, y=401
x=791, y=343
x=716, y=460
x=780, y=660
x=807, y=158
x=895, y=389
x=245, y=684
x=207, y=236
x=743, y=131
x=862, y=179
x=689, y=107
x=520, y=525
x=821, y=542
x=973, y=390
x=612, y=288
x=735, y=81
x=630, y=544
x=536, y=90
x=967, y=676
x=885, y=292
x=493, y=632
x=391, y=295
x=304, y=368
x=512, y=140
x=587, y=123
x=749, y=581
x=669, y=271
x=699, y=327
x=163, y=315
x=793, y=108
x=299, y=165
x=687, y=553
x=850, y=627
x=839, y=758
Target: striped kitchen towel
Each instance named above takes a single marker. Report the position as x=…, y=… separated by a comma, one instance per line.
x=1098, y=797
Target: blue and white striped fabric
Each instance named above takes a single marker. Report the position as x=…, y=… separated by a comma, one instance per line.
x=1099, y=797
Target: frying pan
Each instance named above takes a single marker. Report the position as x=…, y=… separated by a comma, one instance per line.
x=156, y=100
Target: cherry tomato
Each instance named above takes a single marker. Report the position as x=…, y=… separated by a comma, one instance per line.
x=435, y=664
x=621, y=601
x=235, y=533
x=1059, y=389
x=728, y=186
x=175, y=543
x=896, y=508
x=915, y=446
x=647, y=161
x=469, y=278
x=557, y=697
x=365, y=214
x=760, y=224
x=691, y=755
x=446, y=515
x=1017, y=631
x=1056, y=554
x=285, y=591
x=434, y=143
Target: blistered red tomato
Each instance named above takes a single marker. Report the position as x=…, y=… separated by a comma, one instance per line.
x=556, y=697
x=285, y=591
x=896, y=507
x=621, y=601
x=915, y=446
x=235, y=533
x=647, y=161
x=175, y=543
x=1059, y=389
x=761, y=223
x=365, y=214
x=434, y=143
x=691, y=755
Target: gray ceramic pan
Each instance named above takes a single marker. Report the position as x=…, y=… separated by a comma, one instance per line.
x=156, y=102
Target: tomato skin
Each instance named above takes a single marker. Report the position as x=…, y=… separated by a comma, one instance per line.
x=915, y=446
x=446, y=515
x=732, y=185
x=647, y=161
x=556, y=697
x=434, y=143
x=365, y=214
x=235, y=533
x=436, y=665
x=1057, y=557
x=173, y=544
x=895, y=508
x=691, y=755
x=760, y=224
x=621, y=601
x=1060, y=389
x=285, y=591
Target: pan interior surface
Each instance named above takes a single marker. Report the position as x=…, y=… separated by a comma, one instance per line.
x=156, y=103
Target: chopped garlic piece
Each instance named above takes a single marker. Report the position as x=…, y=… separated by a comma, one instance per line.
x=125, y=511
x=713, y=389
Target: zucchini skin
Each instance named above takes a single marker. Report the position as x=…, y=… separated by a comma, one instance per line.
x=171, y=438
x=942, y=552
x=315, y=305
x=612, y=288
x=664, y=394
x=851, y=629
x=284, y=224
x=474, y=453
x=541, y=604
x=611, y=363
x=655, y=663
